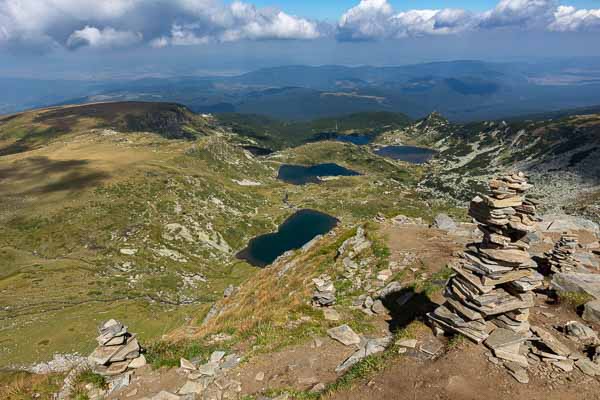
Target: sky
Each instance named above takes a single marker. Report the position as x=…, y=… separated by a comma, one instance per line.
x=91, y=39
x=332, y=9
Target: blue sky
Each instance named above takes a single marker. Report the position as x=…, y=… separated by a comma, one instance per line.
x=333, y=9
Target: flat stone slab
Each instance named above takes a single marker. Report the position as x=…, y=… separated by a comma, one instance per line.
x=432, y=347
x=562, y=223
x=344, y=334
x=186, y=364
x=191, y=387
x=551, y=342
x=208, y=369
x=588, y=367
x=217, y=356
x=129, y=351
x=565, y=365
x=164, y=395
x=138, y=362
x=331, y=315
x=517, y=372
x=578, y=283
x=408, y=343
x=500, y=338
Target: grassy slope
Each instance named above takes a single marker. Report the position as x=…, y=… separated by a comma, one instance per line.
x=71, y=202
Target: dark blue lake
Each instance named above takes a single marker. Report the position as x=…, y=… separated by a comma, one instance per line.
x=357, y=138
x=300, y=175
x=294, y=233
x=411, y=154
x=258, y=151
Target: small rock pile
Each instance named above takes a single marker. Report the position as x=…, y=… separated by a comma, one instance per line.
x=493, y=279
x=561, y=258
x=324, y=294
x=117, y=350
x=209, y=380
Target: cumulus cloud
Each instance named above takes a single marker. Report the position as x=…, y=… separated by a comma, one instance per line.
x=519, y=13
x=368, y=20
x=376, y=19
x=107, y=37
x=570, y=19
x=431, y=22
x=119, y=23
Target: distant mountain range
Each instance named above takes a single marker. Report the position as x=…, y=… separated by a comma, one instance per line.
x=461, y=90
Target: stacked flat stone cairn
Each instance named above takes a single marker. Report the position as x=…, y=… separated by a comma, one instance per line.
x=117, y=350
x=324, y=294
x=561, y=258
x=493, y=281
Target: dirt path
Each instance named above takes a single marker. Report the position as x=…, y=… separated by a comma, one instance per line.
x=464, y=374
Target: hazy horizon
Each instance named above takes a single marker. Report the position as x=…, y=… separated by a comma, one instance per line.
x=58, y=39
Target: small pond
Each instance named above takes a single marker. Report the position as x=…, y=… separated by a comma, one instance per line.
x=293, y=233
x=411, y=154
x=258, y=151
x=301, y=175
x=359, y=139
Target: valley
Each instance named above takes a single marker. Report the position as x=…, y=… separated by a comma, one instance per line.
x=101, y=221
x=207, y=232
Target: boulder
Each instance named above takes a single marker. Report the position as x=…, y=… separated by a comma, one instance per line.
x=577, y=283
x=563, y=222
x=378, y=307
x=591, y=311
x=581, y=332
x=444, y=222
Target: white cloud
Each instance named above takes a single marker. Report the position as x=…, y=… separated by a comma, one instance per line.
x=107, y=37
x=569, y=19
x=519, y=13
x=110, y=23
x=376, y=19
x=370, y=19
x=243, y=21
x=431, y=22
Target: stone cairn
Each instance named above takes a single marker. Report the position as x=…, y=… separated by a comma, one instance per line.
x=117, y=350
x=493, y=281
x=561, y=259
x=324, y=294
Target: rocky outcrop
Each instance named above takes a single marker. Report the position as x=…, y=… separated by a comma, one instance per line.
x=493, y=279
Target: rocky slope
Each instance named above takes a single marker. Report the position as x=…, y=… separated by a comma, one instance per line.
x=561, y=155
